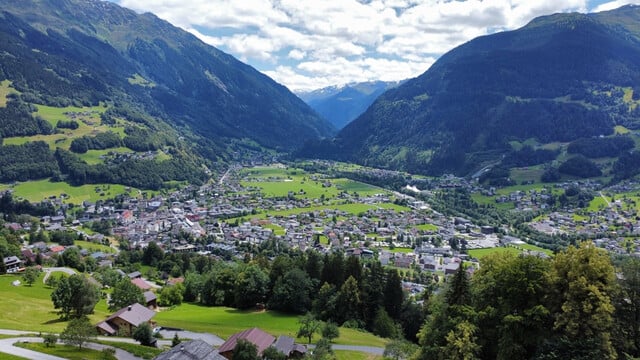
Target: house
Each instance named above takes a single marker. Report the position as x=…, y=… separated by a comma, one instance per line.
x=191, y=350
x=150, y=299
x=139, y=282
x=126, y=320
x=12, y=264
x=259, y=338
x=287, y=346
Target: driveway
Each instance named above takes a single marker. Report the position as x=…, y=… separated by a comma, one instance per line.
x=6, y=346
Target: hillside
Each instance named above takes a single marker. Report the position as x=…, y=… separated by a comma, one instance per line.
x=342, y=104
x=558, y=79
x=147, y=85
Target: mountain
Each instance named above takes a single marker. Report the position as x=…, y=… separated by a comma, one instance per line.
x=342, y=104
x=148, y=80
x=560, y=78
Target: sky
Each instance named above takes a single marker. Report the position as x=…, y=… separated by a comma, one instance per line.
x=311, y=44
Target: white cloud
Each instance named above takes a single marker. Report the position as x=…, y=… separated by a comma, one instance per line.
x=615, y=4
x=310, y=44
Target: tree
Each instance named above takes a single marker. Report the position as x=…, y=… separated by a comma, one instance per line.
x=384, y=326
x=627, y=314
x=144, y=334
x=399, y=349
x=271, y=353
x=291, y=292
x=75, y=296
x=171, y=295
x=325, y=302
x=245, y=350
x=323, y=351
x=461, y=342
x=49, y=340
x=152, y=254
x=52, y=281
x=125, y=293
x=30, y=275
x=348, y=301
x=330, y=331
x=78, y=332
x=582, y=280
x=251, y=287
x=309, y=325
x=393, y=294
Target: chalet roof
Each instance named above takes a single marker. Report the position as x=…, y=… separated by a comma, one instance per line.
x=259, y=338
x=191, y=350
x=141, y=283
x=149, y=296
x=284, y=344
x=135, y=314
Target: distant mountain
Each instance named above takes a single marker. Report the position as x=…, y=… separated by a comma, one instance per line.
x=558, y=79
x=153, y=81
x=342, y=104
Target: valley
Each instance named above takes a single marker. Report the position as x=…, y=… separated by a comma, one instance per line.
x=160, y=197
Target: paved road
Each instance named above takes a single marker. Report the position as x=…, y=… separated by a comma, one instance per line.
x=48, y=271
x=6, y=346
x=210, y=339
x=366, y=349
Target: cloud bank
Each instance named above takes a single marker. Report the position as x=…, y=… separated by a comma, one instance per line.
x=311, y=44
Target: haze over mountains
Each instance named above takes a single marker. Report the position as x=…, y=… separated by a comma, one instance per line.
x=342, y=104
x=558, y=79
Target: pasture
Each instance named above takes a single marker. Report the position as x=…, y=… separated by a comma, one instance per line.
x=5, y=89
x=480, y=253
x=39, y=315
x=67, y=351
x=224, y=322
x=39, y=190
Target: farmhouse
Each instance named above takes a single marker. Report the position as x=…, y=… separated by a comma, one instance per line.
x=12, y=264
x=259, y=338
x=126, y=320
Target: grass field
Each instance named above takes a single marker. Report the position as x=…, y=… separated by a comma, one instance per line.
x=5, y=89
x=226, y=321
x=93, y=157
x=144, y=352
x=427, y=227
x=94, y=247
x=278, y=181
x=480, y=253
x=66, y=351
x=39, y=315
x=355, y=355
x=5, y=356
x=38, y=190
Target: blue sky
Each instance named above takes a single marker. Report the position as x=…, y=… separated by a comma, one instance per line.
x=310, y=44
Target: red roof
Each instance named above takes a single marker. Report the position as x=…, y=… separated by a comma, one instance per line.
x=57, y=248
x=141, y=283
x=259, y=338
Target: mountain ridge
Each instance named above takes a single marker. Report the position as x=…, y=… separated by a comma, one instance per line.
x=559, y=78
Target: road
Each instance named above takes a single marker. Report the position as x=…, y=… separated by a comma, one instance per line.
x=48, y=271
x=6, y=346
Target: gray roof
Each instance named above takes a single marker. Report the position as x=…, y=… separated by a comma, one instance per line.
x=134, y=314
x=284, y=344
x=191, y=350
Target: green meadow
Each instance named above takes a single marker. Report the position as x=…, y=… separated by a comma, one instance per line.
x=275, y=181
x=39, y=315
x=480, y=253
x=93, y=157
x=38, y=190
x=94, y=247
x=224, y=322
x=67, y=351
x=5, y=89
